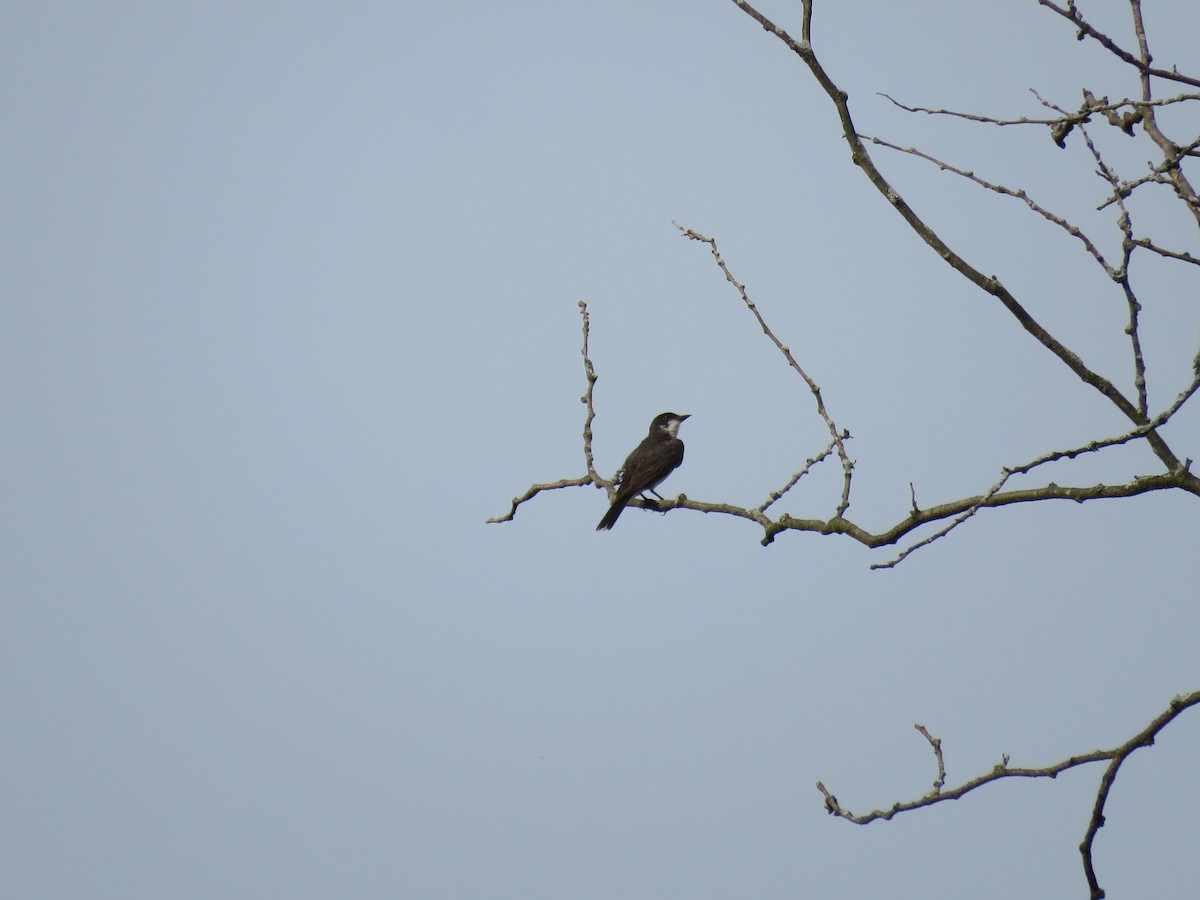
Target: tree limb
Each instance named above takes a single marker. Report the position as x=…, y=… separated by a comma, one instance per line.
x=1115, y=757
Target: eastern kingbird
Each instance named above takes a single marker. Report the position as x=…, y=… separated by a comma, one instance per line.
x=657, y=456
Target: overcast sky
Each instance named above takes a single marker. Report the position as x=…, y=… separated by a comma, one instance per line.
x=289, y=307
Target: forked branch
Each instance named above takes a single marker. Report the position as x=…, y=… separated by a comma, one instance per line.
x=1002, y=770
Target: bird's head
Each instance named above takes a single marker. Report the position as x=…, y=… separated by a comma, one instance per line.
x=668, y=422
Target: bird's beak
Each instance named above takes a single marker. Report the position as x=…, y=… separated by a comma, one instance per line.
x=685, y=416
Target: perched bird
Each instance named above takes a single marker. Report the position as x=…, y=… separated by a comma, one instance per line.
x=657, y=456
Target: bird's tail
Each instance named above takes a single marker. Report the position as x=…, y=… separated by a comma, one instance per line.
x=610, y=517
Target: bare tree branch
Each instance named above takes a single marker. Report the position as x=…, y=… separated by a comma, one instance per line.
x=958, y=511
x=592, y=477
x=1177, y=473
x=1103, y=106
x=1121, y=276
x=991, y=284
x=776, y=495
x=1183, y=187
x=1156, y=175
x=1071, y=14
x=936, y=744
x=589, y=373
x=838, y=436
x=1169, y=254
x=1115, y=757
x=1018, y=193
x=1053, y=456
x=533, y=491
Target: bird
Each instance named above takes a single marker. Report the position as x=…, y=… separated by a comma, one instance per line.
x=657, y=456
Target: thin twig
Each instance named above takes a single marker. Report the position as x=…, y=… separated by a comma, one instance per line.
x=936, y=744
x=1101, y=107
x=838, y=435
x=1018, y=193
x=1179, y=181
x=1125, y=223
x=1007, y=472
x=592, y=476
x=1071, y=14
x=536, y=489
x=589, y=373
x=775, y=495
x=1169, y=254
x=1159, y=174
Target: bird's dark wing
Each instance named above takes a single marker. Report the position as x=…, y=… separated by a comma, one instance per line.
x=653, y=460
x=649, y=464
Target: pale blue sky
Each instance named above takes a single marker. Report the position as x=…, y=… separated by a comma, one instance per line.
x=289, y=308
